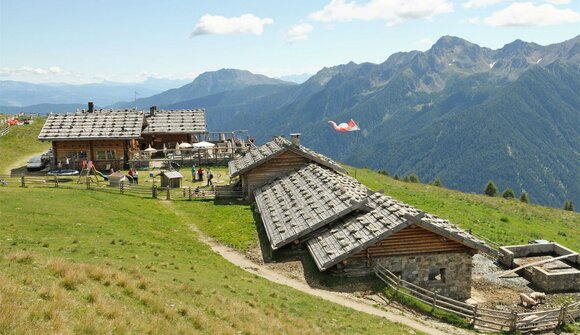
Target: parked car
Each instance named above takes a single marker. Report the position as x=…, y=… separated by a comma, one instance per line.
x=35, y=163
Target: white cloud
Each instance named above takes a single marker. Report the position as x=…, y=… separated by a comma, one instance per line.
x=522, y=14
x=299, y=32
x=558, y=2
x=244, y=24
x=392, y=11
x=480, y=3
x=29, y=70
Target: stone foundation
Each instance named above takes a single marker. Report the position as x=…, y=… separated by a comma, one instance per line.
x=447, y=274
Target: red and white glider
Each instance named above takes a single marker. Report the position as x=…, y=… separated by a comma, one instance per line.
x=343, y=127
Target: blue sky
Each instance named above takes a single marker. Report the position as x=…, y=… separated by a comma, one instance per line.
x=90, y=41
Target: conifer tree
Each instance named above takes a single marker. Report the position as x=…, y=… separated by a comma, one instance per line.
x=490, y=189
x=437, y=182
x=568, y=205
x=508, y=193
x=413, y=178
x=524, y=197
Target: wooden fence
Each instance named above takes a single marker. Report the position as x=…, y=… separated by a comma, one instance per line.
x=483, y=319
x=4, y=130
x=125, y=188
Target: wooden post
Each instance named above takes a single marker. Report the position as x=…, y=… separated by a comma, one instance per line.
x=189, y=193
x=434, y=299
x=56, y=181
x=153, y=191
x=88, y=182
x=168, y=194
x=122, y=187
x=22, y=181
x=474, y=314
x=561, y=316
x=514, y=321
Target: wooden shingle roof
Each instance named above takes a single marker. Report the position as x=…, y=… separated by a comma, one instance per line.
x=100, y=124
x=259, y=155
x=302, y=201
x=176, y=122
x=359, y=230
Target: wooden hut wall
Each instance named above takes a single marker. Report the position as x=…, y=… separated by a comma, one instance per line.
x=103, y=153
x=276, y=166
x=411, y=241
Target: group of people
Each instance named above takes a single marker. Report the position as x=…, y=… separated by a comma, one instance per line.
x=199, y=174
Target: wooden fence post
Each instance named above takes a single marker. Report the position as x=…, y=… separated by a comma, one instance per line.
x=22, y=181
x=514, y=321
x=56, y=181
x=561, y=316
x=153, y=191
x=474, y=314
x=189, y=193
x=434, y=299
x=88, y=182
x=122, y=187
x=168, y=194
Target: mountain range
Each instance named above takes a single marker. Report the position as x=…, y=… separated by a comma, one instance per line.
x=458, y=111
x=23, y=94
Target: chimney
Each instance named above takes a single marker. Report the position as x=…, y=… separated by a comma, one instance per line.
x=152, y=110
x=295, y=139
x=91, y=107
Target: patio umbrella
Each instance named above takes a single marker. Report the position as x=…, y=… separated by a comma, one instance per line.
x=184, y=145
x=150, y=150
x=203, y=145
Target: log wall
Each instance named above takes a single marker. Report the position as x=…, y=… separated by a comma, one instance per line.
x=276, y=166
x=95, y=150
x=413, y=240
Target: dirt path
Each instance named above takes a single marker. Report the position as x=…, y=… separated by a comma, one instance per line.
x=21, y=162
x=343, y=299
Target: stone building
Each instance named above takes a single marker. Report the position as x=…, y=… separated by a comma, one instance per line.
x=349, y=229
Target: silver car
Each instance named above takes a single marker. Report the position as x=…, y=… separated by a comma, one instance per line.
x=35, y=163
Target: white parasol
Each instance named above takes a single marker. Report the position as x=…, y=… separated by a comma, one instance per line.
x=203, y=145
x=150, y=150
x=184, y=145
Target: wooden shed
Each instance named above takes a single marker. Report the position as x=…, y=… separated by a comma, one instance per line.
x=171, y=179
x=116, y=178
x=349, y=229
x=274, y=158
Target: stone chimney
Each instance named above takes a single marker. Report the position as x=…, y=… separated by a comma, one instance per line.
x=91, y=107
x=152, y=110
x=295, y=139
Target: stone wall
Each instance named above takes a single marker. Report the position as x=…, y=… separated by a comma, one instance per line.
x=450, y=272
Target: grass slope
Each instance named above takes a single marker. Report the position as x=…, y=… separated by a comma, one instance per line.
x=88, y=262
x=20, y=142
x=497, y=219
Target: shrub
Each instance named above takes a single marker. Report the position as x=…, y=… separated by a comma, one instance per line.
x=413, y=178
x=437, y=182
x=508, y=193
x=490, y=189
x=568, y=205
x=524, y=197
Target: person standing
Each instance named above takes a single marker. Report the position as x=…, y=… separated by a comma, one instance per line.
x=193, y=173
x=67, y=162
x=200, y=174
x=209, y=177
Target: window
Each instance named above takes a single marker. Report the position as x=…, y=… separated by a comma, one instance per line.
x=437, y=275
x=106, y=154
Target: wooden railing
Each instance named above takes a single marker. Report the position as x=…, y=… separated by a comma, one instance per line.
x=125, y=188
x=4, y=130
x=483, y=319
